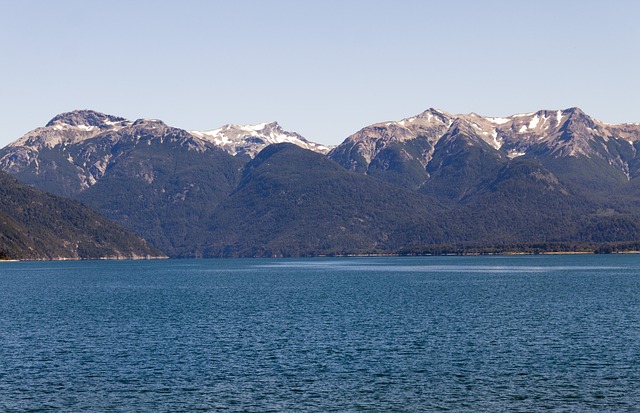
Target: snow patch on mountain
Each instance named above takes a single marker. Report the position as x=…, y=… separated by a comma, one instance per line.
x=70, y=128
x=499, y=121
x=558, y=133
x=496, y=143
x=515, y=154
x=248, y=140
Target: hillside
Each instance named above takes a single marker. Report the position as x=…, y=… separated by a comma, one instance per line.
x=36, y=225
x=294, y=202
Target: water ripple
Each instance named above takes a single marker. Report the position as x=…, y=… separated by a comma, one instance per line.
x=477, y=334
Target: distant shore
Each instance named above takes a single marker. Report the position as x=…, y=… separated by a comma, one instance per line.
x=354, y=255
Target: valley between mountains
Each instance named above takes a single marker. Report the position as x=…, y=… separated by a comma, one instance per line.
x=553, y=180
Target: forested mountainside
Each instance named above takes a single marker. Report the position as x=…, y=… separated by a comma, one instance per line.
x=37, y=225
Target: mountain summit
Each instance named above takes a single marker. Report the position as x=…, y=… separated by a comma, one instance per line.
x=86, y=119
x=412, y=142
x=248, y=140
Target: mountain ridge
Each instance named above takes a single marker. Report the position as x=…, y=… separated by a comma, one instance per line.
x=514, y=133
x=248, y=140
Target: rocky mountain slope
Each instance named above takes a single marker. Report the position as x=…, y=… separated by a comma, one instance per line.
x=36, y=225
x=159, y=181
x=412, y=150
x=76, y=149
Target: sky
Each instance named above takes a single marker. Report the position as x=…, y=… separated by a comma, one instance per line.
x=324, y=69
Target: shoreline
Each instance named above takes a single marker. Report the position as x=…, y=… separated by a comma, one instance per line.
x=371, y=255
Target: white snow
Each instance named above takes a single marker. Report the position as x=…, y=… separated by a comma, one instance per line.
x=494, y=138
x=497, y=144
x=559, y=116
x=222, y=140
x=534, y=122
x=234, y=138
x=282, y=138
x=429, y=117
x=545, y=122
x=499, y=121
x=59, y=126
x=514, y=154
x=254, y=128
x=520, y=115
x=211, y=133
x=523, y=129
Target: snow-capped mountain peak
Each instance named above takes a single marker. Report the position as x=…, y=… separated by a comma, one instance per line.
x=248, y=140
x=86, y=118
x=69, y=128
x=553, y=133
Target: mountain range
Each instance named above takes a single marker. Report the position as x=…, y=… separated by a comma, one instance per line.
x=434, y=182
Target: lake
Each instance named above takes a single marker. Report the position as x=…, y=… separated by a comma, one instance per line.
x=461, y=334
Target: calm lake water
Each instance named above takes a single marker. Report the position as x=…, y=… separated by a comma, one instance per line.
x=525, y=333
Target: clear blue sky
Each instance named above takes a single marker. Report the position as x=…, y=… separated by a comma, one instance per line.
x=322, y=68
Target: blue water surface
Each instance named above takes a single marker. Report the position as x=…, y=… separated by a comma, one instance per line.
x=460, y=334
